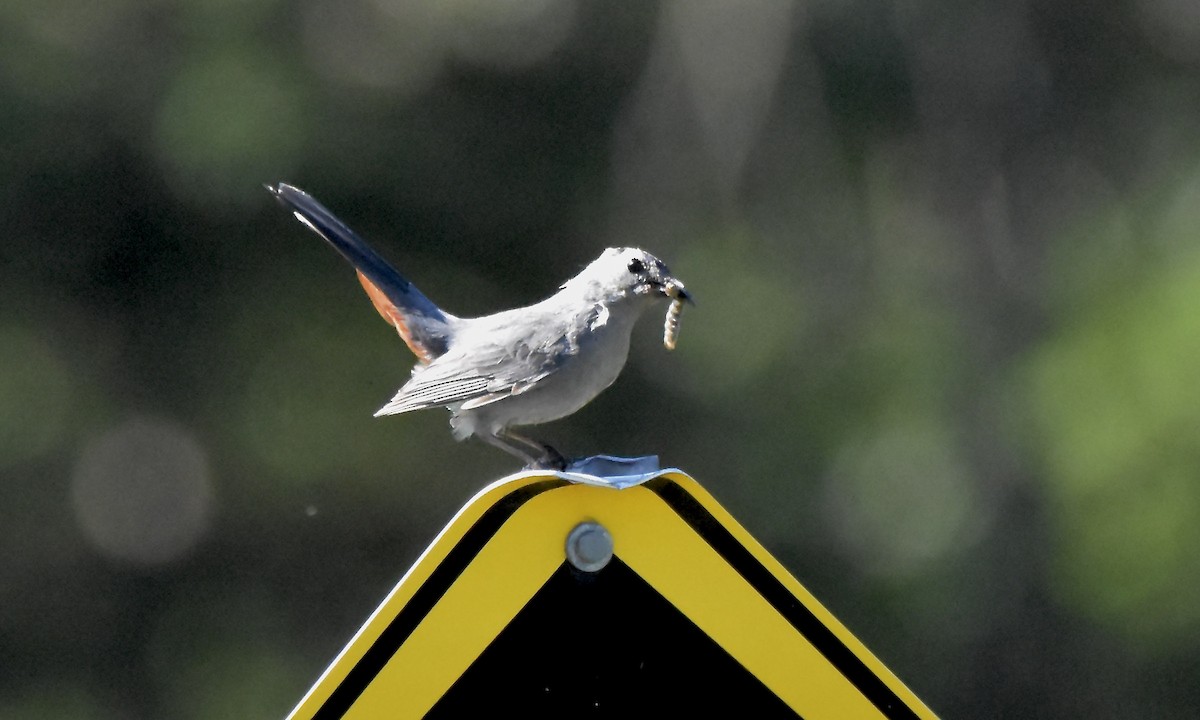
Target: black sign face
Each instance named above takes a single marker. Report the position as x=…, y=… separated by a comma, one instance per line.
x=606, y=644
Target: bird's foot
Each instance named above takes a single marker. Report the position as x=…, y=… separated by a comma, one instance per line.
x=551, y=459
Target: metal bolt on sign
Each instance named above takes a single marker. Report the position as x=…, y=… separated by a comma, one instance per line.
x=589, y=547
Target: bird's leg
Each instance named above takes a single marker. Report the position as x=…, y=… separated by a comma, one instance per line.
x=498, y=442
x=550, y=458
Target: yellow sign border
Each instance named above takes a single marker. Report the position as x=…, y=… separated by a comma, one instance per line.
x=465, y=588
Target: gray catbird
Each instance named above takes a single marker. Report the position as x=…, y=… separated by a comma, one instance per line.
x=523, y=366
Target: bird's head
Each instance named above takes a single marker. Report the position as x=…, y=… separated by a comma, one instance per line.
x=631, y=273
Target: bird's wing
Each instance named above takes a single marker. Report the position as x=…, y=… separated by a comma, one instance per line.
x=489, y=368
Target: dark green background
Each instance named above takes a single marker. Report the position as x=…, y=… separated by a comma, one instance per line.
x=944, y=364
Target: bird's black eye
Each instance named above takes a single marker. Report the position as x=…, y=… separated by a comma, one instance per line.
x=636, y=266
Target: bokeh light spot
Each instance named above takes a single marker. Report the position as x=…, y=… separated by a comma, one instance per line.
x=142, y=491
x=903, y=498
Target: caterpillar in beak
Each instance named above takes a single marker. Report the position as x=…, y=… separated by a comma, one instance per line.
x=671, y=324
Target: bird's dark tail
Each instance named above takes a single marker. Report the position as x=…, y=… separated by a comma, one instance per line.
x=425, y=328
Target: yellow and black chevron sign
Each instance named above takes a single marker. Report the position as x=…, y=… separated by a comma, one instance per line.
x=689, y=614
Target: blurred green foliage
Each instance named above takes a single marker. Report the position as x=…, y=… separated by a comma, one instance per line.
x=34, y=395
x=1118, y=411
x=943, y=363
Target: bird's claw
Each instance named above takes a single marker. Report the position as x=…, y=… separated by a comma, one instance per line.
x=549, y=460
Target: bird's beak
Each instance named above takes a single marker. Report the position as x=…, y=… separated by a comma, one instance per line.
x=675, y=290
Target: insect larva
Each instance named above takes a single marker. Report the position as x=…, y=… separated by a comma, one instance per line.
x=671, y=324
